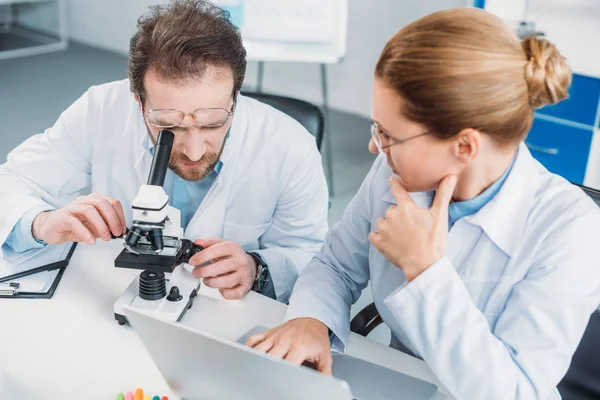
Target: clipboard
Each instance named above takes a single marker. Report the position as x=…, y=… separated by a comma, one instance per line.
x=10, y=288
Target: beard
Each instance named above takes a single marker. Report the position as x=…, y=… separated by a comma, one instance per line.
x=177, y=163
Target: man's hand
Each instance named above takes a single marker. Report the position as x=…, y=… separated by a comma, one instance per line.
x=298, y=340
x=83, y=220
x=410, y=237
x=232, y=270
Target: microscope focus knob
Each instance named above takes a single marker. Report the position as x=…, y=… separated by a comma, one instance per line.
x=174, y=294
x=152, y=285
x=196, y=248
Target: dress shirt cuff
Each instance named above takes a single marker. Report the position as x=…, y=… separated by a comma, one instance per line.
x=335, y=338
x=21, y=239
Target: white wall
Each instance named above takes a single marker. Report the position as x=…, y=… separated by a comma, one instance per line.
x=109, y=24
x=566, y=23
x=510, y=10
x=42, y=17
x=370, y=24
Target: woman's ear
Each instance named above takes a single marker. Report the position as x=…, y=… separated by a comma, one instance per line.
x=467, y=144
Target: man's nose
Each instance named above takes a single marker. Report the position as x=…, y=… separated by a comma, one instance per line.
x=194, y=146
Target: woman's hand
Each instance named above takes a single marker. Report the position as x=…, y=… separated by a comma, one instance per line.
x=410, y=237
x=297, y=341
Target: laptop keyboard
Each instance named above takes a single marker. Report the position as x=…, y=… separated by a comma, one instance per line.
x=363, y=376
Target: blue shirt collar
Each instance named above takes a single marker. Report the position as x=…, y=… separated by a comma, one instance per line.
x=461, y=209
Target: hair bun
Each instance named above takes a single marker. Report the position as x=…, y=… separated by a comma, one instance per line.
x=547, y=73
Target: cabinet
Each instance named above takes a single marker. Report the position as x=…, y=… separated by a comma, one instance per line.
x=561, y=135
x=562, y=148
x=29, y=27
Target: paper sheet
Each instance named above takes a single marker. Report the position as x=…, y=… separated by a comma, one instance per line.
x=41, y=281
x=37, y=283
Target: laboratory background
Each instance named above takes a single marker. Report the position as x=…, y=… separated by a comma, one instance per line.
x=52, y=51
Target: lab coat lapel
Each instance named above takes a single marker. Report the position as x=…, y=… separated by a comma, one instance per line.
x=504, y=218
x=141, y=154
x=126, y=182
x=142, y=167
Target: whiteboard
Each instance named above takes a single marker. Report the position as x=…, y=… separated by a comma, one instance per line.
x=291, y=30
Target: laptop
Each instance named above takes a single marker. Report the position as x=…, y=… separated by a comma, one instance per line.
x=199, y=365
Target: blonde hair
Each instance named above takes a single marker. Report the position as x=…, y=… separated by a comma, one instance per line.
x=464, y=68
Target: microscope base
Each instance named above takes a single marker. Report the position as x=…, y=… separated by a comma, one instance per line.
x=166, y=309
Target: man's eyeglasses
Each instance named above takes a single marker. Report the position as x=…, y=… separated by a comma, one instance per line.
x=384, y=141
x=203, y=117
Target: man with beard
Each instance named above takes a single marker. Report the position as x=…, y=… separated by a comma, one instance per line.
x=247, y=179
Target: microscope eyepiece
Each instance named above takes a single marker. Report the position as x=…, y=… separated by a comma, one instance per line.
x=160, y=161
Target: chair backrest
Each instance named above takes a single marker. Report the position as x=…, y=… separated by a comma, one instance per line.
x=309, y=115
x=593, y=193
x=582, y=380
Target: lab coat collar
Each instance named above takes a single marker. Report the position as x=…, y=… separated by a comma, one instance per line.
x=503, y=219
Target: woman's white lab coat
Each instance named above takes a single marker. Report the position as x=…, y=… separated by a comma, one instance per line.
x=498, y=317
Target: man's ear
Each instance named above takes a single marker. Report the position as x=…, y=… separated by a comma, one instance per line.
x=467, y=144
x=140, y=101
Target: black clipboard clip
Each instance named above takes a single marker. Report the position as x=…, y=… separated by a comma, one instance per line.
x=11, y=290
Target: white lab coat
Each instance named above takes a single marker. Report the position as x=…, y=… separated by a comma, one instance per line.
x=499, y=316
x=270, y=195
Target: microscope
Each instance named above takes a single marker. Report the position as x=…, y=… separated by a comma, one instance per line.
x=154, y=244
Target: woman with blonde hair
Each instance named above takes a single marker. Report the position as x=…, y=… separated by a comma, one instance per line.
x=481, y=262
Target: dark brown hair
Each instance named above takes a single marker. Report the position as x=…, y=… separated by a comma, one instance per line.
x=181, y=40
x=464, y=68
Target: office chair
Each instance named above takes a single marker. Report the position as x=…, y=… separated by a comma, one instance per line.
x=309, y=115
x=582, y=381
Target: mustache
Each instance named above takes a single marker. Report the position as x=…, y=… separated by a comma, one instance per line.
x=182, y=158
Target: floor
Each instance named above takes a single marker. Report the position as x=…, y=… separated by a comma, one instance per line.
x=35, y=90
x=9, y=41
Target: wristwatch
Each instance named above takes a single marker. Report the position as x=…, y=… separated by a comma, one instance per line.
x=262, y=273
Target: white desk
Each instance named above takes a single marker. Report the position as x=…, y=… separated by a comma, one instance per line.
x=70, y=347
